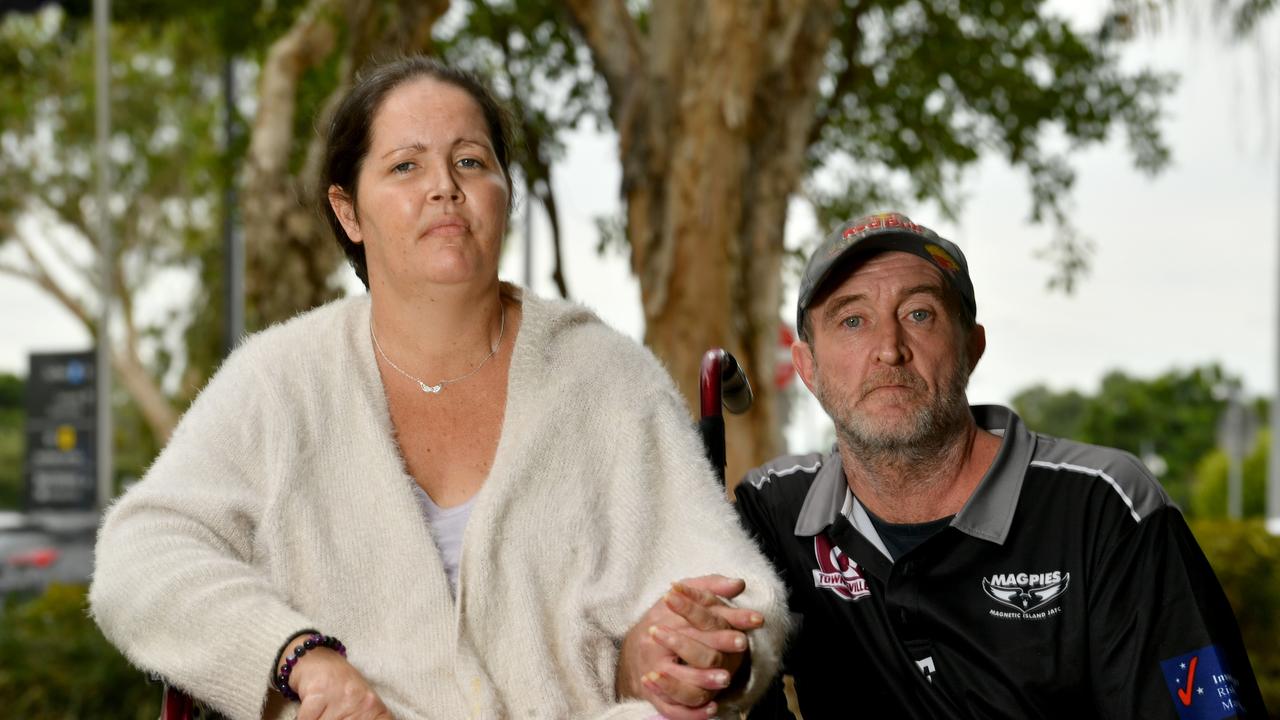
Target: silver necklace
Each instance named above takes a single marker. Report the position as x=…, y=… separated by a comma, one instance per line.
x=435, y=389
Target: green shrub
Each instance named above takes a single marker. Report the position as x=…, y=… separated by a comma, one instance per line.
x=1209, y=488
x=12, y=439
x=1247, y=561
x=58, y=666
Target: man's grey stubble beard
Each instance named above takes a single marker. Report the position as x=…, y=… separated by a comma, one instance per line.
x=928, y=429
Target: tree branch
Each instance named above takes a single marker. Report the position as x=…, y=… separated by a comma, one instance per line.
x=58, y=248
x=852, y=75
x=17, y=272
x=547, y=197
x=125, y=295
x=611, y=34
x=310, y=40
x=537, y=168
x=154, y=405
x=39, y=274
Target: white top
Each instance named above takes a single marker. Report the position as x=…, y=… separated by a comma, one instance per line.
x=446, y=525
x=282, y=503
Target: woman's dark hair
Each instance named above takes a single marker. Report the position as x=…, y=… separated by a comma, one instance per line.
x=350, y=131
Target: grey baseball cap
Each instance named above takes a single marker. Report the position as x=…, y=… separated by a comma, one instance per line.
x=879, y=233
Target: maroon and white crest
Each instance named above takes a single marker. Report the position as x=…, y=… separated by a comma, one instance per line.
x=836, y=571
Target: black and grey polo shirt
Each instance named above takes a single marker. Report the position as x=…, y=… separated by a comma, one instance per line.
x=1068, y=586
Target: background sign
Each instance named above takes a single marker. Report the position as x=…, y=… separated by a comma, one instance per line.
x=62, y=432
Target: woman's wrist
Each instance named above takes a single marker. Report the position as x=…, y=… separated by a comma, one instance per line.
x=285, y=648
x=283, y=676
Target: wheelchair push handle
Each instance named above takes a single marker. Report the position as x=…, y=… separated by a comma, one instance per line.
x=176, y=705
x=722, y=384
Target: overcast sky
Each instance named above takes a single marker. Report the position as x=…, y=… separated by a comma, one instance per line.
x=1184, y=273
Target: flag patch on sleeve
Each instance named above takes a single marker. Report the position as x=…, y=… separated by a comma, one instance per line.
x=1201, y=686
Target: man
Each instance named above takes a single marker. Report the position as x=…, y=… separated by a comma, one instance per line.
x=946, y=562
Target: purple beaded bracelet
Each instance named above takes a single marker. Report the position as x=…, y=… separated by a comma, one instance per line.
x=314, y=640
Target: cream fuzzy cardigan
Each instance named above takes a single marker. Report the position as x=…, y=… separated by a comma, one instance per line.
x=282, y=503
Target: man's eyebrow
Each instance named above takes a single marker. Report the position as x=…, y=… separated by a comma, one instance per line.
x=837, y=305
x=929, y=289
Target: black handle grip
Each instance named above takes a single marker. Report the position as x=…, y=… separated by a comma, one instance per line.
x=735, y=389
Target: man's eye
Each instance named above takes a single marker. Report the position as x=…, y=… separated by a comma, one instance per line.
x=921, y=315
x=852, y=321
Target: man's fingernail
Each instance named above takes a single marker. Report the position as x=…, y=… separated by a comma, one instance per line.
x=740, y=643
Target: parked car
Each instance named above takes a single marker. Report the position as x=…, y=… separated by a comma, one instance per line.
x=38, y=550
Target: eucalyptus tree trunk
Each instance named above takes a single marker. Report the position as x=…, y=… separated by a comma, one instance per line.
x=713, y=107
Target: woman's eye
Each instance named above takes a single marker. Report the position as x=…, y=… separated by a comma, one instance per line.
x=852, y=321
x=404, y=167
x=470, y=163
x=920, y=315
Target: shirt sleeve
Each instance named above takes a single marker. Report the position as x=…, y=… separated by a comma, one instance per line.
x=753, y=513
x=174, y=586
x=1165, y=641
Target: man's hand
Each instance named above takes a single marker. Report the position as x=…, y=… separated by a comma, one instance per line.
x=687, y=648
x=332, y=689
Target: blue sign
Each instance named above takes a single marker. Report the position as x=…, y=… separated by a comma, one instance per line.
x=60, y=471
x=76, y=372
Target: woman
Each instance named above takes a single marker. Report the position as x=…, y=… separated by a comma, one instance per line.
x=477, y=491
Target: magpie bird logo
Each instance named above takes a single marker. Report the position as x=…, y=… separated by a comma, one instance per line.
x=1026, y=592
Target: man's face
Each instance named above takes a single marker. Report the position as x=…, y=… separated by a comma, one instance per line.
x=889, y=361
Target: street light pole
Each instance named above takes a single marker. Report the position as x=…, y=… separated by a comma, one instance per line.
x=233, y=241
x=1273, y=452
x=528, y=235
x=106, y=246
x=1234, y=437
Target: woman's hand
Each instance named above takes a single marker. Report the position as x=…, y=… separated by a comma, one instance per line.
x=332, y=689
x=687, y=648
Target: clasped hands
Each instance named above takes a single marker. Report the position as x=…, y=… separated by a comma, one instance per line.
x=688, y=648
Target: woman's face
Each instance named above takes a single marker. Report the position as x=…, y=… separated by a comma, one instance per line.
x=431, y=203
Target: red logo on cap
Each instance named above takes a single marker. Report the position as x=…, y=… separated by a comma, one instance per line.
x=885, y=221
